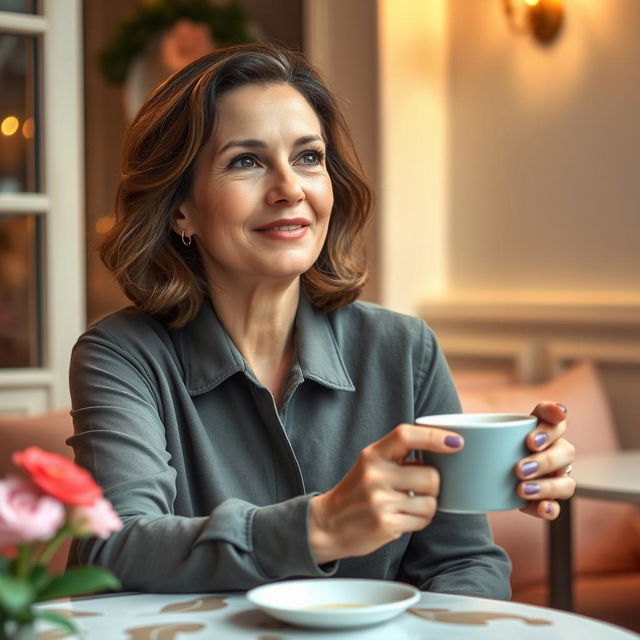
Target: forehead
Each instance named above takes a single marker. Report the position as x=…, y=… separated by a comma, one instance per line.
x=261, y=109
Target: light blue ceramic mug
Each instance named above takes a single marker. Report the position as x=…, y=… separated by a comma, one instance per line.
x=481, y=476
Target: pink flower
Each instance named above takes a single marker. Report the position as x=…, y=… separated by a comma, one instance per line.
x=26, y=513
x=98, y=519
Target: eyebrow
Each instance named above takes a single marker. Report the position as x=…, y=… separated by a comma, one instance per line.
x=253, y=143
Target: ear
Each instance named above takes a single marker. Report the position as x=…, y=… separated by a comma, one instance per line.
x=180, y=220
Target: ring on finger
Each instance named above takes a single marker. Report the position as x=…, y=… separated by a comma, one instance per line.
x=411, y=493
x=568, y=470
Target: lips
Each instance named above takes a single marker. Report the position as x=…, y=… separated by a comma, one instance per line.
x=284, y=225
x=285, y=230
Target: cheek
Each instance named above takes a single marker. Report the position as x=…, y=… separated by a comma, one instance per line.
x=224, y=206
x=322, y=194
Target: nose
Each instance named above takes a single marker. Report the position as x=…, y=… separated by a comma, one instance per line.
x=284, y=187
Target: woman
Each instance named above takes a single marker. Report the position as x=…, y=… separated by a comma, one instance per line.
x=248, y=420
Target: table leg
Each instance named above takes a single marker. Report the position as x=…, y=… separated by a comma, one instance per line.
x=561, y=559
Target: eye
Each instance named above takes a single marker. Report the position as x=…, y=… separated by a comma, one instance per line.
x=243, y=162
x=311, y=157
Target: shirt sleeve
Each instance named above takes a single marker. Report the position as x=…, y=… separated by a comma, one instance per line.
x=119, y=436
x=455, y=553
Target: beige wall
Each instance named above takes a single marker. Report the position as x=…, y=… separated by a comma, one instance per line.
x=544, y=182
x=413, y=180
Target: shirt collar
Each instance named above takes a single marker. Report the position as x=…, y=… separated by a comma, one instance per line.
x=209, y=356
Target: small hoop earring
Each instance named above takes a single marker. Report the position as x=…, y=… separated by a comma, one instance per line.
x=186, y=241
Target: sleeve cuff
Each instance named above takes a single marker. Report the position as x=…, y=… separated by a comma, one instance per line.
x=281, y=541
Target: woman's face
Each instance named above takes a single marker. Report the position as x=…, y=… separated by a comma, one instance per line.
x=261, y=198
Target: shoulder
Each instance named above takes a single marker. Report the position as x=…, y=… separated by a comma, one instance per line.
x=377, y=321
x=127, y=332
x=374, y=327
x=402, y=348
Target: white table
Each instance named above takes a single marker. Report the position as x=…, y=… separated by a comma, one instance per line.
x=605, y=476
x=609, y=476
x=222, y=617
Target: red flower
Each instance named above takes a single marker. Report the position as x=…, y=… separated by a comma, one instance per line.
x=58, y=476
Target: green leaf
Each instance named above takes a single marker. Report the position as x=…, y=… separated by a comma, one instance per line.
x=57, y=619
x=79, y=581
x=4, y=564
x=15, y=596
x=39, y=577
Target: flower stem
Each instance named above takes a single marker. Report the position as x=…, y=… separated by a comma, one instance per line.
x=23, y=561
x=53, y=545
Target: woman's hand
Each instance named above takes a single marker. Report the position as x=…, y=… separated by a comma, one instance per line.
x=544, y=474
x=382, y=496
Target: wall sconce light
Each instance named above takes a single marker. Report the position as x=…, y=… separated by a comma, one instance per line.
x=540, y=18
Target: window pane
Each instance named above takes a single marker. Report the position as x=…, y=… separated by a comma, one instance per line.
x=20, y=242
x=19, y=122
x=20, y=6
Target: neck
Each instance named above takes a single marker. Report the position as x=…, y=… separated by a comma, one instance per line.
x=260, y=321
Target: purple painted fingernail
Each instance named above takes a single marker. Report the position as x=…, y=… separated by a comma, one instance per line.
x=540, y=438
x=559, y=404
x=455, y=442
x=548, y=508
x=531, y=487
x=529, y=467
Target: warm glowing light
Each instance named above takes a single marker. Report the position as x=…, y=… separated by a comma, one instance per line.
x=104, y=224
x=9, y=125
x=28, y=128
x=540, y=18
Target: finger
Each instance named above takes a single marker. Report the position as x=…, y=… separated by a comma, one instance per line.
x=551, y=412
x=394, y=522
x=546, y=432
x=408, y=437
x=547, y=488
x=546, y=509
x=423, y=480
x=419, y=506
x=552, y=460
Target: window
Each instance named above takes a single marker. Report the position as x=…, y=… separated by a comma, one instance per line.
x=41, y=240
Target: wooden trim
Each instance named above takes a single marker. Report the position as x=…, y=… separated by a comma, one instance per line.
x=64, y=147
x=611, y=310
x=22, y=24
x=24, y=203
x=25, y=378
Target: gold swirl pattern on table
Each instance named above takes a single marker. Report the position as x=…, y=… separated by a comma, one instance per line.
x=53, y=634
x=209, y=603
x=480, y=618
x=162, y=631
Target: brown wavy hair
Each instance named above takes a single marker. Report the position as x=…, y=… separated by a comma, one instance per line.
x=156, y=271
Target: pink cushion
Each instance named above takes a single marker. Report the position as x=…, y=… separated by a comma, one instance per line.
x=606, y=534
x=47, y=431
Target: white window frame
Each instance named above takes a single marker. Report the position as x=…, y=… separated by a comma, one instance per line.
x=61, y=203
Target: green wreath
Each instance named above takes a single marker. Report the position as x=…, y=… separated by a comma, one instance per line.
x=227, y=23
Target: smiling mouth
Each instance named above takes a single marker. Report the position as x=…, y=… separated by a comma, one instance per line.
x=288, y=227
x=285, y=225
x=285, y=230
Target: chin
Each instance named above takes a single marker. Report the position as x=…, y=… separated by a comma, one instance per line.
x=288, y=268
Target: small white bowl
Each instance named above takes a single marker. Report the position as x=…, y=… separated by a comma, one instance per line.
x=334, y=603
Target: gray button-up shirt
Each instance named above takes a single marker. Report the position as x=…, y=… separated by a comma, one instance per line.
x=213, y=481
